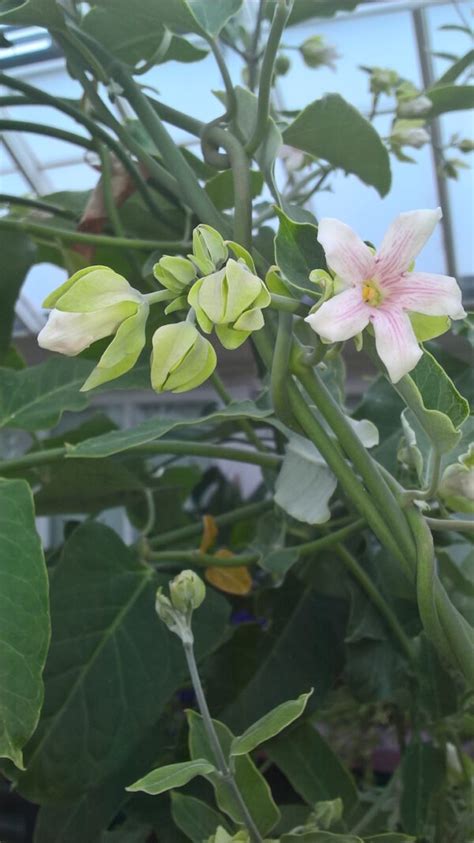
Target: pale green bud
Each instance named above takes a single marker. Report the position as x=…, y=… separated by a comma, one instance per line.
x=181, y=359
x=164, y=609
x=457, y=484
x=209, y=249
x=95, y=303
x=409, y=133
x=414, y=107
x=175, y=273
x=327, y=813
x=187, y=591
x=382, y=79
x=282, y=64
x=466, y=145
x=316, y=53
x=231, y=300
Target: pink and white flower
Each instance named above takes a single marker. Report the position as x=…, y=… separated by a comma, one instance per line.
x=381, y=290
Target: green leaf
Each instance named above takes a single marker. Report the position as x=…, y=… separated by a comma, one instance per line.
x=18, y=254
x=305, y=483
x=253, y=787
x=109, y=656
x=303, y=649
x=244, y=121
x=122, y=440
x=320, y=837
x=306, y=9
x=173, y=775
x=423, y=774
x=24, y=619
x=35, y=398
x=428, y=327
x=453, y=72
x=213, y=16
x=450, y=98
x=85, y=486
x=311, y=767
x=220, y=188
x=390, y=837
x=45, y=13
x=269, y=725
x=432, y=397
x=194, y=818
x=297, y=253
x=332, y=129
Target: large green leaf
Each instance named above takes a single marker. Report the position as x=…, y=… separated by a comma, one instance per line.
x=45, y=13
x=453, y=72
x=269, y=725
x=253, y=787
x=194, y=818
x=438, y=406
x=87, y=486
x=24, y=619
x=122, y=440
x=35, y=398
x=423, y=772
x=303, y=650
x=311, y=767
x=307, y=9
x=213, y=16
x=450, y=98
x=110, y=656
x=18, y=254
x=171, y=776
x=297, y=253
x=332, y=129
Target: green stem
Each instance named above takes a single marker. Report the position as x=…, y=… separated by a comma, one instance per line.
x=219, y=757
x=158, y=55
x=252, y=59
x=241, y=180
x=455, y=524
x=286, y=305
x=195, y=557
x=50, y=131
x=111, y=208
x=39, y=97
x=251, y=510
x=280, y=18
x=228, y=84
x=378, y=601
x=244, y=424
x=159, y=296
x=177, y=118
x=50, y=232
x=382, y=495
x=165, y=446
x=27, y=202
x=279, y=371
x=427, y=494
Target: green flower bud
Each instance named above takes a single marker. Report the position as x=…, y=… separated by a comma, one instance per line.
x=409, y=133
x=209, y=249
x=457, y=484
x=282, y=64
x=95, y=303
x=382, y=79
x=231, y=300
x=466, y=145
x=187, y=591
x=316, y=53
x=181, y=359
x=175, y=273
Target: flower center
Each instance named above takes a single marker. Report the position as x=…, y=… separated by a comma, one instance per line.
x=371, y=292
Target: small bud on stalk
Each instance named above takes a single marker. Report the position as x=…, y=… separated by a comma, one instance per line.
x=181, y=359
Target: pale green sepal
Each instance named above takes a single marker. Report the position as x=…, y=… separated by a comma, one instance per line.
x=209, y=247
x=230, y=338
x=251, y=320
x=123, y=352
x=269, y=725
x=428, y=327
x=52, y=298
x=457, y=484
x=96, y=289
x=243, y=290
x=171, y=776
x=197, y=367
x=181, y=359
x=175, y=273
x=242, y=254
x=193, y=299
x=177, y=304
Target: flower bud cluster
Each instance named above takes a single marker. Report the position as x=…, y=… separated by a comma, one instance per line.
x=97, y=302
x=187, y=592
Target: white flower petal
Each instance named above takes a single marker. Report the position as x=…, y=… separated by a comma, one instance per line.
x=433, y=295
x=342, y=317
x=403, y=241
x=70, y=333
x=395, y=341
x=346, y=253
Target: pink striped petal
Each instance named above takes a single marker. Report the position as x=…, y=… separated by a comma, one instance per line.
x=346, y=253
x=433, y=295
x=395, y=341
x=342, y=317
x=403, y=241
